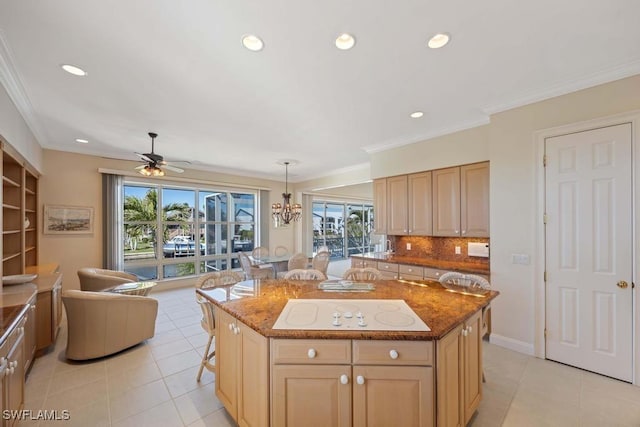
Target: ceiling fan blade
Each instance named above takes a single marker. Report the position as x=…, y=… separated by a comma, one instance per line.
x=173, y=168
x=144, y=157
x=140, y=167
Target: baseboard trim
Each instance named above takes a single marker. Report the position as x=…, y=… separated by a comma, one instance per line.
x=511, y=344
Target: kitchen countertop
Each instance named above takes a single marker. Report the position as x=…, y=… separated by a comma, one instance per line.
x=14, y=303
x=427, y=262
x=258, y=303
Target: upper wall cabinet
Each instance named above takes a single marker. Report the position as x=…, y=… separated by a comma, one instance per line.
x=19, y=214
x=461, y=201
x=405, y=204
x=380, y=206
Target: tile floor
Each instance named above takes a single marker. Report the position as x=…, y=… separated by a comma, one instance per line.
x=153, y=384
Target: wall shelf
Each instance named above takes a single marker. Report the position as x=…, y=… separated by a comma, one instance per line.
x=19, y=204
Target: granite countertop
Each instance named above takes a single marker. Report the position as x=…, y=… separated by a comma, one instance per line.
x=427, y=262
x=258, y=303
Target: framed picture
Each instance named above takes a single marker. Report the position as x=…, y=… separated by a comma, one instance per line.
x=68, y=219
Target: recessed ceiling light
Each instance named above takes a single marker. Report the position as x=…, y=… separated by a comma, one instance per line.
x=82, y=141
x=253, y=43
x=345, y=41
x=439, y=40
x=416, y=114
x=72, y=69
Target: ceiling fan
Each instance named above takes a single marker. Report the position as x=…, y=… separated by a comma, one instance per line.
x=154, y=163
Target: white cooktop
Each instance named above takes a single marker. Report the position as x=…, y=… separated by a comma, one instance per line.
x=349, y=314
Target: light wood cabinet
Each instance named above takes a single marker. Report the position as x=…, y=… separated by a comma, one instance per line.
x=318, y=382
x=474, y=200
x=459, y=370
x=242, y=371
x=410, y=272
x=19, y=213
x=12, y=357
x=48, y=314
x=380, y=206
x=461, y=201
x=397, y=201
x=420, y=210
x=30, y=335
x=388, y=270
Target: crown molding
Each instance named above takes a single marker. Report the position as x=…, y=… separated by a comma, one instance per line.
x=433, y=134
x=11, y=82
x=563, y=88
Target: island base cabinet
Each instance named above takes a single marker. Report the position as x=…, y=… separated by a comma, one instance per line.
x=242, y=371
x=459, y=370
x=393, y=396
x=311, y=395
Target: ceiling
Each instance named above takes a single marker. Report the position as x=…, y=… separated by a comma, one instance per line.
x=178, y=68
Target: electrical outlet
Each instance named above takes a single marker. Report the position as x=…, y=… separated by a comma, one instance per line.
x=458, y=250
x=408, y=246
x=522, y=259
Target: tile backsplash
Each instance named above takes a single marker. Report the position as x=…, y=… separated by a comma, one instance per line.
x=438, y=247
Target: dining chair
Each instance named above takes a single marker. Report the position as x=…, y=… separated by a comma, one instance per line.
x=208, y=323
x=281, y=251
x=218, y=278
x=254, y=272
x=305, y=274
x=320, y=262
x=367, y=273
x=297, y=261
x=260, y=252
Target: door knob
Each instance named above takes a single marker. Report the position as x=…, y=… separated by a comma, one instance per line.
x=622, y=284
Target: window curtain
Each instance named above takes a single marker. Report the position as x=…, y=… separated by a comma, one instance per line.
x=112, y=229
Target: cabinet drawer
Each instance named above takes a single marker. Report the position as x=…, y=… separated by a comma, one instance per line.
x=388, y=266
x=433, y=273
x=419, y=353
x=356, y=263
x=410, y=270
x=409, y=277
x=369, y=263
x=310, y=351
x=388, y=275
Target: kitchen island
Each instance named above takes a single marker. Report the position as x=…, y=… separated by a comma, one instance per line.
x=288, y=377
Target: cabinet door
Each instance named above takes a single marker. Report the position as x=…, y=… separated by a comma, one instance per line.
x=393, y=396
x=30, y=336
x=311, y=395
x=397, y=219
x=446, y=202
x=380, y=206
x=14, y=384
x=474, y=200
x=253, y=393
x=420, y=209
x=450, y=381
x=44, y=316
x=227, y=362
x=472, y=345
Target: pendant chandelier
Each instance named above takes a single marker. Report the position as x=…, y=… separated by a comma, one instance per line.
x=285, y=213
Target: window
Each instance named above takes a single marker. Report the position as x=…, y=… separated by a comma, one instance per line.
x=344, y=228
x=172, y=231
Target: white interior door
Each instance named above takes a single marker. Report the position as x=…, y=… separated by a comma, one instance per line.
x=589, y=250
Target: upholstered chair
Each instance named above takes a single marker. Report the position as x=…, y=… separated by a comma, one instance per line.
x=99, y=279
x=104, y=323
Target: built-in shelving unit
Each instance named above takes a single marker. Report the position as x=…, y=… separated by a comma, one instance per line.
x=19, y=213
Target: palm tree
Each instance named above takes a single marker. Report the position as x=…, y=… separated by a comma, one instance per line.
x=142, y=211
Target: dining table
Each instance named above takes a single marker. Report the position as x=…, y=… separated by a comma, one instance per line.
x=279, y=262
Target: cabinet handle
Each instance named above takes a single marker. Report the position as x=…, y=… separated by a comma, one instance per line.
x=311, y=353
x=469, y=329
x=456, y=231
x=360, y=379
x=344, y=379
x=231, y=327
x=465, y=332
x=393, y=354
x=464, y=231
x=236, y=330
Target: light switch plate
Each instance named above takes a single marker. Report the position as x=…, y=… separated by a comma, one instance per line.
x=408, y=246
x=478, y=249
